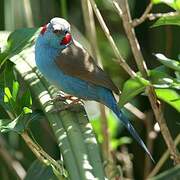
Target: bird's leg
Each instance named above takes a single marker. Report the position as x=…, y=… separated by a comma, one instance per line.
x=68, y=99
x=70, y=105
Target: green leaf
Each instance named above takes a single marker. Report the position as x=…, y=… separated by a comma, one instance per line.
x=175, y=4
x=115, y=143
x=170, y=96
x=40, y=171
x=131, y=88
x=15, y=90
x=173, y=64
x=17, y=41
x=20, y=123
x=163, y=83
x=170, y=174
x=167, y=20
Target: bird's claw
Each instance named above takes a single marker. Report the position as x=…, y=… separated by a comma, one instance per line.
x=69, y=106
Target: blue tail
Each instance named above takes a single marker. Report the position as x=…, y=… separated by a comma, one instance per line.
x=111, y=103
x=131, y=129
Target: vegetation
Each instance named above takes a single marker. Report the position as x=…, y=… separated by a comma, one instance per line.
x=137, y=43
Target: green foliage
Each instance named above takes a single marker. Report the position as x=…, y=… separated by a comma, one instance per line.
x=173, y=64
x=170, y=174
x=175, y=4
x=166, y=86
x=40, y=171
x=167, y=20
x=72, y=132
x=17, y=41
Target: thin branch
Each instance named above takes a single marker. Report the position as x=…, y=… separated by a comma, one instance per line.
x=91, y=33
x=150, y=137
x=40, y=153
x=135, y=111
x=154, y=16
x=163, y=159
x=144, y=16
x=122, y=62
x=123, y=10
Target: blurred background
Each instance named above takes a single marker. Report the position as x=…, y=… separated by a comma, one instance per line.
x=32, y=13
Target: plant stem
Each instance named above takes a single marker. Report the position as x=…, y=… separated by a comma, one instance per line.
x=163, y=159
x=124, y=13
x=41, y=154
x=122, y=62
x=144, y=16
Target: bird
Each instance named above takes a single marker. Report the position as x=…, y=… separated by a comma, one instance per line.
x=65, y=63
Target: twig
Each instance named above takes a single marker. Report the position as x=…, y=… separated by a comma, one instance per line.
x=163, y=159
x=123, y=10
x=90, y=29
x=28, y=13
x=135, y=111
x=122, y=62
x=40, y=153
x=144, y=16
x=91, y=33
x=151, y=135
x=154, y=16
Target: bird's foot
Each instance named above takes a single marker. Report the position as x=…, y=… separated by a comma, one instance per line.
x=65, y=97
x=70, y=105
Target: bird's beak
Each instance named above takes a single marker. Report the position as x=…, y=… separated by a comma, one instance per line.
x=67, y=39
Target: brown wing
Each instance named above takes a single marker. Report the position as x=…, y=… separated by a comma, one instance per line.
x=75, y=61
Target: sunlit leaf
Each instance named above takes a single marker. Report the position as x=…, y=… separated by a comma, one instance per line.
x=170, y=174
x=20, y=123
x=173, y=64
x=167, y=20
x=15, y=90
x=131, y=88
x=115, y=143
x=170, y=96
x=17, y=41
x=175, y=4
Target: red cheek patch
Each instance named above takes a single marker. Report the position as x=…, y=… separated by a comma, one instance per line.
x=44, y=28
x=66, y=40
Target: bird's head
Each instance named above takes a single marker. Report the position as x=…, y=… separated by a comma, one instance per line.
x=56, y=34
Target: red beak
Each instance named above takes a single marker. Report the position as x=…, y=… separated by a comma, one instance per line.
x=67, y=39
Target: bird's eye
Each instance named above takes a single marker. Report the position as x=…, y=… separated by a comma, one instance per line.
x=66, y=32
x=56, y=31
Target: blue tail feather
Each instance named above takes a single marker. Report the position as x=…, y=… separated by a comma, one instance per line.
x=111, y=103
x=131, y=129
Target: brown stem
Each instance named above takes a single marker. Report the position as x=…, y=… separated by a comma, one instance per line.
x=163, y=159
x=40, y=153
x=154, y=16
x=122, y=61
x=155, y=104
x=144, y=16
x=151, y=135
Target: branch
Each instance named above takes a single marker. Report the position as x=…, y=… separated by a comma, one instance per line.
x=122, y=62
x=162, y=159
x=123, y=10
x=144, y=16
x=41, y=154
x=154, y=16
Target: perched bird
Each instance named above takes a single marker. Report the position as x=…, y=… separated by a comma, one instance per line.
x=66, y=64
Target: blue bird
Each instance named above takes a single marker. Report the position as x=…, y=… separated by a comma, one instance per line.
x=66, y=64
